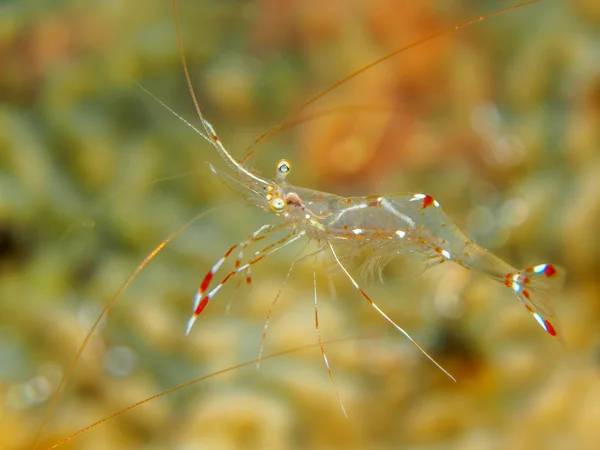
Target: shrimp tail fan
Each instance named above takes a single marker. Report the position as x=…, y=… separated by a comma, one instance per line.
x=534, y=286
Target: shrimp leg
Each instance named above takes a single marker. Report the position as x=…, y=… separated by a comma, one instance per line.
x=272, y=248
x=385, y=316
x=274, y=302
x=321, y=345
x=254, y=237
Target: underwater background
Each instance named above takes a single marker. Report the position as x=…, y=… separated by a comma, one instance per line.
x=499, y=122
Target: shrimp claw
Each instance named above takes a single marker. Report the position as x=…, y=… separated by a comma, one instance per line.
x=201, y=299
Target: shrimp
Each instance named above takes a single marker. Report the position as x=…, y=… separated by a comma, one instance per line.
x=380, y=227
x=387, y=224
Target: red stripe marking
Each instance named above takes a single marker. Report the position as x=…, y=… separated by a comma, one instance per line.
x=550, y=328
x=248, y=280
x=257, y=259
x=507, y=280
x=201, y=306
x=526, y=294
x=550, y=270
x=237, y=263
x=206, y=282
x=228, y=277
x=230, y=250
x=427, y=201
x=269, y=247
x=526, y=280
x=364, y=294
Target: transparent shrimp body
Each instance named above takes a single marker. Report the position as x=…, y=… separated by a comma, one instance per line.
x=390, y=225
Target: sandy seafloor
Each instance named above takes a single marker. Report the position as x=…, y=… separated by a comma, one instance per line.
x=500, y=122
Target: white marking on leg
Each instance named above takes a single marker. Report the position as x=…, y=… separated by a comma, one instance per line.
x=197, y=298
x=217, y=265
x=210, y=128
x=190, y=324
x=540, y=320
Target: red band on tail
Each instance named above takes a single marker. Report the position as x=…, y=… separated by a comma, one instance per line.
x=549, y=328
x=550, y=270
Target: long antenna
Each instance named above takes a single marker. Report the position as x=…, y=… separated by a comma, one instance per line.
x=207, y=126
x=354, y=74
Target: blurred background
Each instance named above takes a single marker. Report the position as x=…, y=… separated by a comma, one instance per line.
x=499, y=121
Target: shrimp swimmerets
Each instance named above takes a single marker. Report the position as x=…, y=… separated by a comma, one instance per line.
x=386, y=225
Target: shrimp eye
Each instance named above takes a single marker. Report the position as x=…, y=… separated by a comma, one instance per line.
x=277, y=204
x=284, y=166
